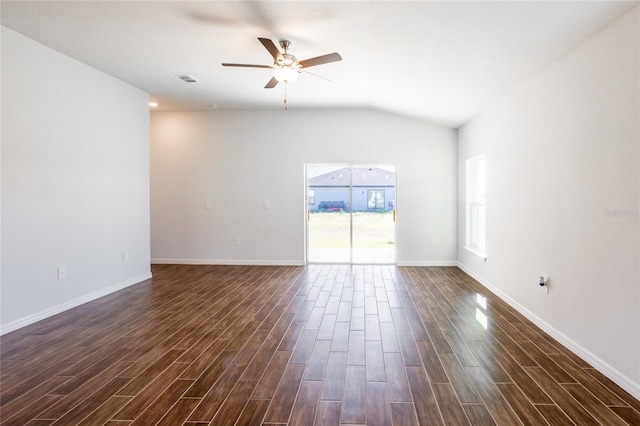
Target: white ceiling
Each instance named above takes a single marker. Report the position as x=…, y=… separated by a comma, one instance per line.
x=441, y=61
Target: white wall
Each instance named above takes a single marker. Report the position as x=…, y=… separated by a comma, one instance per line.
x=560, y=153
x=75, y=182
x=240, y=159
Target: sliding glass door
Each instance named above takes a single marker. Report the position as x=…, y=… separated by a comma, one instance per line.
x=328, y=213
x=373, y=192
x=350, y=213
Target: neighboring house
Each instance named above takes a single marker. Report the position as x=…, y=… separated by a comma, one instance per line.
x=374, y=189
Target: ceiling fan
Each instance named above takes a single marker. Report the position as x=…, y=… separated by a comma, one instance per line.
x=286, y=66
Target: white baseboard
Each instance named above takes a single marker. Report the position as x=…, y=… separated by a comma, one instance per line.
x=426, y=263
x=23, y=322
x=227, y=262
x=620, y=379
x=281, y=262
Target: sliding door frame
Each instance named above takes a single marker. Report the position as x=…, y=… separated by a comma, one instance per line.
x=350, y=167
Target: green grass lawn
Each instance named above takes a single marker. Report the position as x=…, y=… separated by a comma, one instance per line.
x=370, y=230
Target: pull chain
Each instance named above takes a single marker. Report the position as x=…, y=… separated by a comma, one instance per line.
x=286, y=107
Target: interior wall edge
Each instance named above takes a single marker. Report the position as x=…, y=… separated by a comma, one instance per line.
x=619, y=378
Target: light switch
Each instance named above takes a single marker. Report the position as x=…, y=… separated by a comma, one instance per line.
x=62, y=272
x=267, y=204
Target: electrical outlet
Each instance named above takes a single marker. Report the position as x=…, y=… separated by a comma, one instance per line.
x=432, y=242
x=544, y=284
x=62, y=272
x=207, y=204
x=125, y=256
x=236, y=241
x=267, y=204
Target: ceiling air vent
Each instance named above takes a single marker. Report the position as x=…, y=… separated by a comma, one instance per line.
x=187, y=78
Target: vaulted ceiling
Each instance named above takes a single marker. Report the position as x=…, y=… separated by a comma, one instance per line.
x=441, y=61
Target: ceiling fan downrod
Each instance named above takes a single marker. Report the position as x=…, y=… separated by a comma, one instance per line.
x=285, y=45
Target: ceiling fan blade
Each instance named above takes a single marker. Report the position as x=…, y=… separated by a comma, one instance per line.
x=319, y=60
x=272, y=83
x=224, y=64
x=273, y=50
x=315, y=75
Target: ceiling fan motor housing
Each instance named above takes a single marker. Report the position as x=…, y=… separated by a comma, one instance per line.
x=287, y=60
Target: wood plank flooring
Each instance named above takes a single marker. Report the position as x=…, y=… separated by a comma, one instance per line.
x=325, y=345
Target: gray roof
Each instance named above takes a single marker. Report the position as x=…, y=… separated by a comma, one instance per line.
x=362, y=176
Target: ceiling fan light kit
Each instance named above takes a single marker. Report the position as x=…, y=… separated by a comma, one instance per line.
x=286, y=67
x=286, y=74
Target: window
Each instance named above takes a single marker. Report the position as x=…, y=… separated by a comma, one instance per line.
x=312, y=197
x=476, y=205
x=375, y=199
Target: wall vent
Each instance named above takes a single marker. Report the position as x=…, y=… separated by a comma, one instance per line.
x=187, y=78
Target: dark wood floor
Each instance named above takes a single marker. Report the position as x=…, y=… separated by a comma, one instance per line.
x=329, y=345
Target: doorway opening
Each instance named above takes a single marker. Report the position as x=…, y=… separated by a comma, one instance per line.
x=351, y=213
